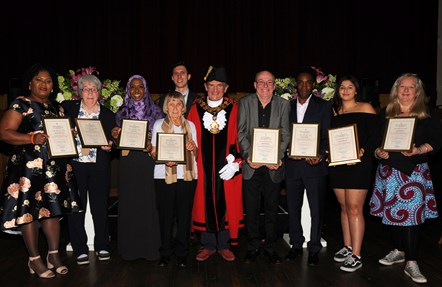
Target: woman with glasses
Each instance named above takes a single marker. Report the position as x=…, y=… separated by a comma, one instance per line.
x=92, y=172
x=36, y=190
x=138, y=224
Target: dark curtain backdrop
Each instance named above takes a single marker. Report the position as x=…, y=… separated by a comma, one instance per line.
x=375, y=39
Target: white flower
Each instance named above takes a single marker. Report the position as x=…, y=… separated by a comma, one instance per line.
x=327, y=93
x=60, y=97
x=286, y=96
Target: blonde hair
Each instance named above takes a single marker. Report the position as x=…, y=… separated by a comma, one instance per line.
x=419, y=107
x=173, y=95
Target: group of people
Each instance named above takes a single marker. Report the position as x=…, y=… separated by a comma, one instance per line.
x=207, y=193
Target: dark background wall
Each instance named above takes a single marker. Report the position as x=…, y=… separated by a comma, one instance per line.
x=370, y=39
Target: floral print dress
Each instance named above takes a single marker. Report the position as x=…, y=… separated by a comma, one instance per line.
x=35, y=186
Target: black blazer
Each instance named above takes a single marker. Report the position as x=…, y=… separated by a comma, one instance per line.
x=107, y=117
x=319, y=112
x=190, y=99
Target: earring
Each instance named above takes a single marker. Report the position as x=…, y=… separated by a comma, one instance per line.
x=29, y=87
x=52, y=91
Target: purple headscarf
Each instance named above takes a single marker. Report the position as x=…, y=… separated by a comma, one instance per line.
x=145, y=109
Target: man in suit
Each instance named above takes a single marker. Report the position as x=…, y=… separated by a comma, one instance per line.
x=180, y=78
x=262, y=110
x=307, y=173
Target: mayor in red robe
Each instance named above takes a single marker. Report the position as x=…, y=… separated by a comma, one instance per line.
x=218, y=208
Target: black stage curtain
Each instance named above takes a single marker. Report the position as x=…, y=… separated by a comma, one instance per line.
x=374, y=39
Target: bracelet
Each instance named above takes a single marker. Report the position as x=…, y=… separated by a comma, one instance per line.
x=376, y=155
x=32, y=139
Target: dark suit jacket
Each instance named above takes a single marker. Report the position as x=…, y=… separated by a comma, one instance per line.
x=319, y=112
x=107, y=118
x=248, y=119
x=190, y=99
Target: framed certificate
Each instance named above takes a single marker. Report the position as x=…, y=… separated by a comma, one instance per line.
x=344, y=145
x=305, y=140
x=133, y=134
x=171, y=148
x=91, y=132
x=265, y=146
x=61, y=141
x=399, y=134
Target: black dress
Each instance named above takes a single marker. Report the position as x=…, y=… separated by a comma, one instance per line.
x=359, y=175
x=138, y=222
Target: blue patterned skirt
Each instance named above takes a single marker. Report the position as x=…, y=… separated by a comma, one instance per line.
x=403, y=200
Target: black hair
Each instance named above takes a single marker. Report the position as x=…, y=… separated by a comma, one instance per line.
x=33, y=71
x=306, y=70
x=337, y=101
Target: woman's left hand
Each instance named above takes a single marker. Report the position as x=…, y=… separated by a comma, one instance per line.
x=414, y=151
x=190, y=145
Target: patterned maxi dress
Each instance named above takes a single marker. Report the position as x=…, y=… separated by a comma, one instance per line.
x=35, y=186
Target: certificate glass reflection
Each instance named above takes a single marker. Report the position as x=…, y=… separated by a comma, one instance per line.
x=265, y=146
x=344, y=145
x=61, y=141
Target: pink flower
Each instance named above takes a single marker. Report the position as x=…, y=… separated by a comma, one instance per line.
x=13, y=190
x=9, y=224
x=36, y=163
x=25, y=184
x=51, y=187
x=43, y=212
x=26, y=218
x=38, y=196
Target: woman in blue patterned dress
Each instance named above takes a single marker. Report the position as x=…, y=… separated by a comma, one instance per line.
x=403, y=194
x=36, y=189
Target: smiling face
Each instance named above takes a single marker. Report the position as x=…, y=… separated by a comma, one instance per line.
x=175, y=109
x=264, y=85
x=89, y=94
x=136, y=89
x=180, y=77
x=41, y=86
x=305, y=85
x=407, y=91
x=347, y=91
x=215, y=90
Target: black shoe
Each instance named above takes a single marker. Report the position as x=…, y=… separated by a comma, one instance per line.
x=251, y=256
x=181, y=261
x=293, y=253
x=163, y=261
x=313, y=258
x=273, y=257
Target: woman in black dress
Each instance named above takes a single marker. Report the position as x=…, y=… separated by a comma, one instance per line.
x=36, y=190
x=138, y=223
x=351, y=182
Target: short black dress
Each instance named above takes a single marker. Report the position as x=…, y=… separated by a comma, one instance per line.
x=359, y=175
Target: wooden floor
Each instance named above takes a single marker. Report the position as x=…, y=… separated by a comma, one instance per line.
x=217, y=272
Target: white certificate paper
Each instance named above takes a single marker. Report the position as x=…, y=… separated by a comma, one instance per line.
x=399, y=134
x=171, y=147
x=265, y=146
x=61, y=141
x=305, y=140
x=344, y=146
x=91, y=132
x=133, y=134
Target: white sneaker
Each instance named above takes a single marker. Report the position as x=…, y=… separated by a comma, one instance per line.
x=395, y=256
x=83, y=259
x=412, y=270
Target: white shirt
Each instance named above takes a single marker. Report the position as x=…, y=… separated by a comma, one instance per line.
x=160, y=168
x=301, y=108
x=186, y=95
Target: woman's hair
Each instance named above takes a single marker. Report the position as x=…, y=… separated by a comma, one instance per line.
x=419, y=107
x=88, y=79
x=145, y=109
x=33, y=71
x=337, y=101
x=173, y=95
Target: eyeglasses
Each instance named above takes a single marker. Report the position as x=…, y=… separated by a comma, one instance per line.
x=263, y=84
x=91, y=91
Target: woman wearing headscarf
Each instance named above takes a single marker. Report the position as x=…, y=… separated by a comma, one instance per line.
x=138, y=224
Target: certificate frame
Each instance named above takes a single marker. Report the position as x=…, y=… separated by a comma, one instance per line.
x=91, y=133
x=304, y=141
x=171, y=148
x=265, y=146
x=133, y=135
x=61, y=142
x=343, y=145
x=399, y=134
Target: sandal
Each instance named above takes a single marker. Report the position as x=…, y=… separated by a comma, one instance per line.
x=60, y=269
x=46, y=274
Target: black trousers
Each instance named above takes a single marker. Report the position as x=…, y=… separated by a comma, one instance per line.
x=174, y=204
x=315, y=188
x=261, y=186
x=406, y=238
x=94, y=180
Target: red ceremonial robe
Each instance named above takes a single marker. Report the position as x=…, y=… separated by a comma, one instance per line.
x=234, y=216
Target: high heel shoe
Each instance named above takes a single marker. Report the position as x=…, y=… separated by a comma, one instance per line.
x=61, y=269
x=46, y=274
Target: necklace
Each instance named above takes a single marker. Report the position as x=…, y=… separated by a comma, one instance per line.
x=346, y=110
